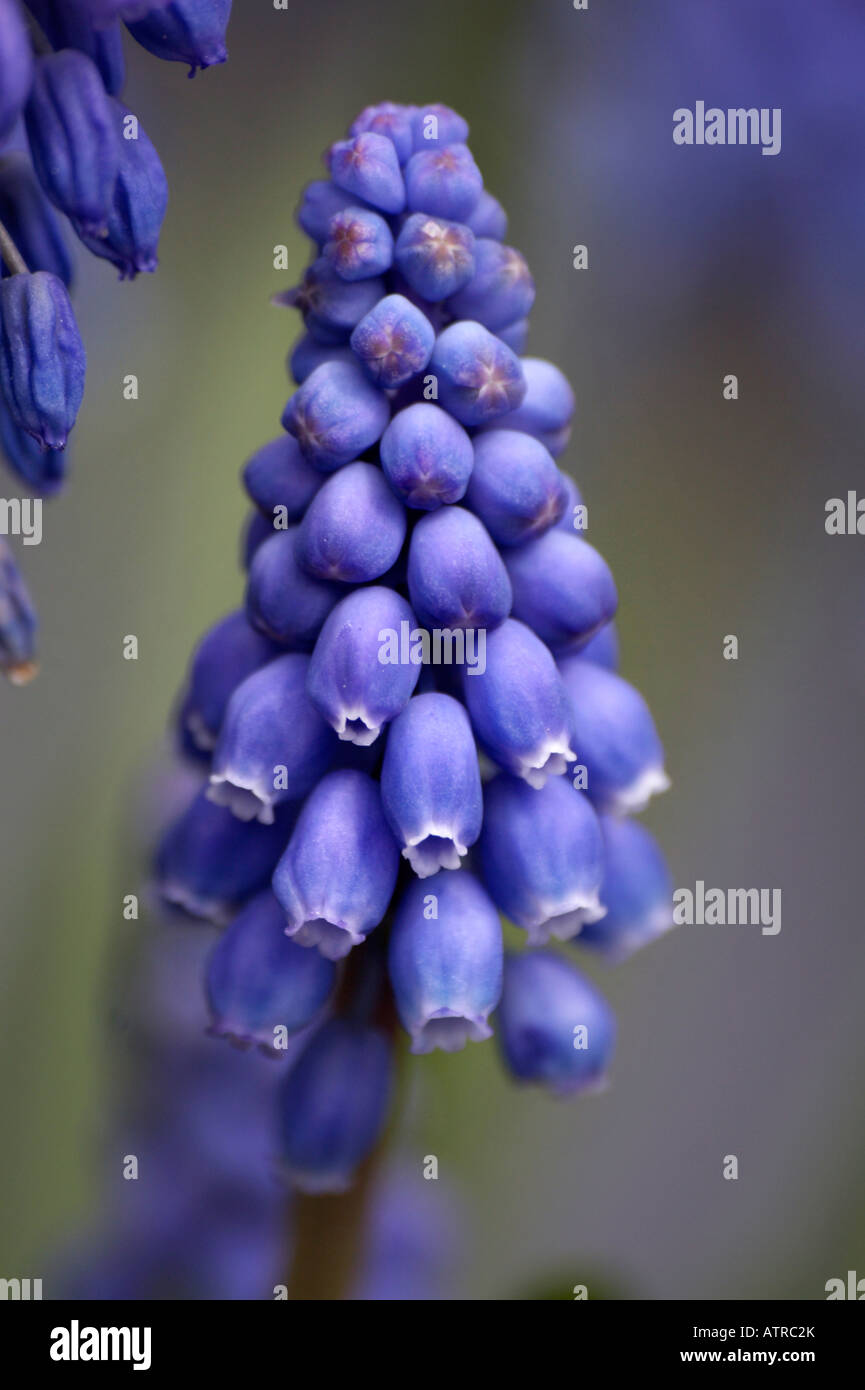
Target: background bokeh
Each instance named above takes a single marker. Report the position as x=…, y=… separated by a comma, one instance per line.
x=701, y=262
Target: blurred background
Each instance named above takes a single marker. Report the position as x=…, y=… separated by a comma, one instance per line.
x=701, y=262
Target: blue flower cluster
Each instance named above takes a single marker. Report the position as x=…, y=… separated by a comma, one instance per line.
x=68, y=145
x=415, y=724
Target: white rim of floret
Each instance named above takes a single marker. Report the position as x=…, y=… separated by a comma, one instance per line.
x=203, y=737
x=635, y=797
x=210, y=909
x=357, y=716
x=240, y=797
x=563, y=918
x=447, y=855
x=242, y=1037
x=549, y=759
x=333, y=940
x=426, y=1037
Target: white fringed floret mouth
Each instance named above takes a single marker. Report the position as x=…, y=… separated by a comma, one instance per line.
x=551, y=759
x=239, y=797
x=634, y=798
x=564, y=919
x=195, y=904
x=356, y=726
x=333, y=939
x=434, y=848
x=449, y=1030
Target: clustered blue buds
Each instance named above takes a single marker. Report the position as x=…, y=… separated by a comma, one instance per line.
x=68, y=146
x=417, y=723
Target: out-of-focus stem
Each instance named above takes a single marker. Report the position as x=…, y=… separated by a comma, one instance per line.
x=327, y=1234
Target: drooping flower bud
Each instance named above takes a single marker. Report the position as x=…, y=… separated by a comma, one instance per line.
x=42, y=359
x=185, y=31
x=333, y=1103
x=320, y=202
x=515, y=488
x=16, y=64
x=427, y=456
x=224, y=657
x=330, y=304
x=443, y=182
x=358, y=675
x=479, y=378
x=603, y=648
x=283, y=601
x=69, y=24
x=42, y=470
x=278, y=476
x=430, y=783
x=135, y=219
x=336, y=415
x=445, y=961
x=488, y=218
x=273, y=745
x=393, y=341
x=563, y=589
x=435, y=256
x=615, y=738
x=436, y=125
x=554, y=1027
x=209, y=862
x=259, y=982
x=387, y=118
x=456, y=576
x=367, y=167
x=359, y=244
x=354, y=527
x=542, y=856
x=74, y=130
x=337, y=875
x=637, y=891
x=307, y=354
x=17, y=622
x=548, y=406
x=519, y=706
x=30, y=219
x=500, y=291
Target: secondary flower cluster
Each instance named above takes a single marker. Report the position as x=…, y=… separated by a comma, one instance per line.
x=201, y=1215
x=369, y=814
x=69, y=145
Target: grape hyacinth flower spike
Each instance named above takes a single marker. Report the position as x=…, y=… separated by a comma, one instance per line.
x=426, y=655
x=87, y=165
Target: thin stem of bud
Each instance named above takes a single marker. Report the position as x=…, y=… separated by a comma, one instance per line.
x=10, y=255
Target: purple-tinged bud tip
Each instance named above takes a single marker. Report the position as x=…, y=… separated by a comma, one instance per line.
x=42, y=358
x=554, y=1027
